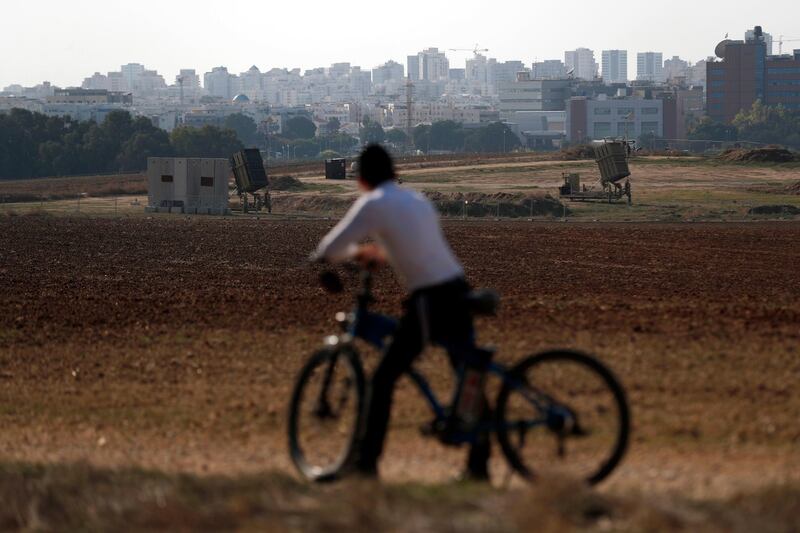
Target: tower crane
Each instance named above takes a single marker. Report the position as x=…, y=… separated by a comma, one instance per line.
x=473, y=50
x=781, y=40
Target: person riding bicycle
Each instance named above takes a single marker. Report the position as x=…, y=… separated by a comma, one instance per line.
x=407, y=234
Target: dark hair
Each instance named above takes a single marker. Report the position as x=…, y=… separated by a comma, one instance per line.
x=375, y=165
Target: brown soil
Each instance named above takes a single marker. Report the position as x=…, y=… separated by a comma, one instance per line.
x=173, y=343
x=285, y=183
x=759, y=155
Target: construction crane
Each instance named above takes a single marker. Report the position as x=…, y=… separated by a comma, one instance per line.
x=473, y=50
x=781, y=40
x=409, y=117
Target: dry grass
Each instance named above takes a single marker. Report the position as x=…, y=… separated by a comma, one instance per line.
x=46, y=189
x=80, y=498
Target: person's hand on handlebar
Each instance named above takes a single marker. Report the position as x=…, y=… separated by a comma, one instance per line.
x=370, y=256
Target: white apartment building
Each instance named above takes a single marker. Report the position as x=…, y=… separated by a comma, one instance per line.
x=677, y=68
x=650, y=66
x=428, y=113
x=251, y=84
x=582, y=63
x=480, y=73
x=429, y=65
x=391, y=70
x=133, y=77
x=220, y=83
x=615, y=66
x=613, y=117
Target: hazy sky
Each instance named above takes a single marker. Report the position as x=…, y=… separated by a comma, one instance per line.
x=65, y=41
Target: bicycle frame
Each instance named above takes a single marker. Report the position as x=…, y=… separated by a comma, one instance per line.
x=374, y=328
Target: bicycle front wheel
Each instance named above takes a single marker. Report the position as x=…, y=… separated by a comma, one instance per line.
x=562, y=414
x=325, y=413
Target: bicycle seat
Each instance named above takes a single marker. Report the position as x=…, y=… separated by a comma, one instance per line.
x=483, y=302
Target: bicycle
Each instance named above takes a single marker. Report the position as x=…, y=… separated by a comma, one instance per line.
x=539, y=402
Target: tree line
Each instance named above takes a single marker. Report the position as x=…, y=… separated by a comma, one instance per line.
x=36, y=145
x=446, y=136
x=761, y=124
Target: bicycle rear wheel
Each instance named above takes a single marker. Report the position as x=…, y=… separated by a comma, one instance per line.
x=325, y=413
x=562, y=414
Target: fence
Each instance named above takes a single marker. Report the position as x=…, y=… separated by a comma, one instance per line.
x=104, y=206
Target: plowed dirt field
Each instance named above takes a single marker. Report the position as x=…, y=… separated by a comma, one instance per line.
x=172, y=343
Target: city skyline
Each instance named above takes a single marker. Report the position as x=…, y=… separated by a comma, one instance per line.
x=68, y=45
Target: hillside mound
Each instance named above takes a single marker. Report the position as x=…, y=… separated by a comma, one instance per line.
x=285, y=183
x=506, y=205
x=576, y=153
x=774, y=210
x=769, y=154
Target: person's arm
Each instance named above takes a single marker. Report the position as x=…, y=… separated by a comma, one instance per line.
x=341, y=243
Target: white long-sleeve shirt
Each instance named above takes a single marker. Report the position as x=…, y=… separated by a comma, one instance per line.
x=406, y=224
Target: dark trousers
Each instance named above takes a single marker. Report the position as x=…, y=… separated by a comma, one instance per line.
x=436, y=314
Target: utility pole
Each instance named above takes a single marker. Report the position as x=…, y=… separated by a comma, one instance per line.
x=180, y=80
x=409, y=113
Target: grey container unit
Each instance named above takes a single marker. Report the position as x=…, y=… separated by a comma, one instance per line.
x=187, y=185
x=248, y=171
x=335, y=169
x=162, y=195
x=612, y=158
x=212, y=186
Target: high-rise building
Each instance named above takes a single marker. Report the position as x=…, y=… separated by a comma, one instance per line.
x=219, y=83
x=526, y=94
x=413, y=68
x=650, y=66
x=251, y=84
x=615, y=66
x=189, y=78
x=750, y=35
x=458, y=74
x=391, y=70
x=746, y=74
x=508, y=70
x=677, y=68
x=97, y=82
x=549, y=69
x=131, y=73
x=433, y=65
x=698, y=73
x=480, y=74
x=582, y=63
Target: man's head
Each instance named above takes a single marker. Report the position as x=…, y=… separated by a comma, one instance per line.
x=374, y=167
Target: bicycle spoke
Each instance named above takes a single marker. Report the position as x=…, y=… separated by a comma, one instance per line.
x=566, y=419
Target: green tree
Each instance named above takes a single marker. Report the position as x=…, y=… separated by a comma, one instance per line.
x=709, y=130
x=245, y=128
x=422, y=137
x=299, y=128
x=447, y=135
x=135, y=151
x=333, y=126
x=208, y=141
x=495, y=137
x=396, y=136
x=770, y=125
x=371, y=132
